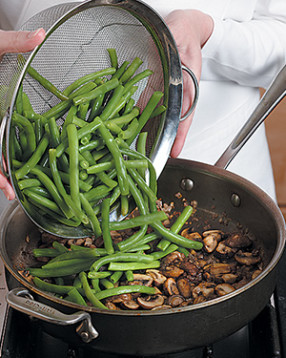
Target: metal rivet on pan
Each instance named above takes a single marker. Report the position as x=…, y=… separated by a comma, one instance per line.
x=235, y=200
x=187, y=184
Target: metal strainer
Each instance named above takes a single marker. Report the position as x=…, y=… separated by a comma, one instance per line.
x=78, y=35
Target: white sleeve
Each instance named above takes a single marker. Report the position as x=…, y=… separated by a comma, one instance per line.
x=249, y=52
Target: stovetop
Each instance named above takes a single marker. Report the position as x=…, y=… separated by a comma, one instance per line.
x=264, y=337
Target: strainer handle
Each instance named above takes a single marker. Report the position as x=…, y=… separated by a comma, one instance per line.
x=195, y=81
x=2, y=135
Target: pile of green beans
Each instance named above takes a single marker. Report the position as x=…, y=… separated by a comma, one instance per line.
x=75, y=174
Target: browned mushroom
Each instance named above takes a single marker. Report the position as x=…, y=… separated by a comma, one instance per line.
x=170, y=287
x=247, y=258
x=205, y=289
x=223, y=289
x=185, y=287
x=175, y=300
x=229, y=277
x=216, y=234
x=219, y=268
x=172, y=271
x=224, y=251
x=210, y=243
x=174, y=257
x=238, y=240
x=157, y=276
x=191, y=235
x=141, y=279
x=131, y=305
x=150, y=302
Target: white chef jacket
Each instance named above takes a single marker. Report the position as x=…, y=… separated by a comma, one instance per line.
x=245, y=52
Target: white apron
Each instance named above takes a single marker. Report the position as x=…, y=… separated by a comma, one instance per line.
x=232, y=73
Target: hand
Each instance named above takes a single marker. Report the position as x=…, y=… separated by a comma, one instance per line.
x=191, y=30
x=14, y=42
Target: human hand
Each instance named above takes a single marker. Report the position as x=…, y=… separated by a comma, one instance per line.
x=191, y=29
x=14, y=42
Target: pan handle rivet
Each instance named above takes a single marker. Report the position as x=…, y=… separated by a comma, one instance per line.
x=187, y=184
x=235, y=200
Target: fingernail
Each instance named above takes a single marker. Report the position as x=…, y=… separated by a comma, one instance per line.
x=33, y=33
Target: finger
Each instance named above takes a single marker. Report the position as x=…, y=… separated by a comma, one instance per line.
x=181, y=137
x=20, y=41
x=6, y=187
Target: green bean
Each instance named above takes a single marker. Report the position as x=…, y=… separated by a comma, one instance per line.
x=52, y=189
x=126, y=266
x=46, y=84
x=90, y=146
x=82, y=261
x=91, y=215
x=45, y=252
x=100, y=251
x=58, y=110
x=129, y=106
x=95, y=285
x=18, y=119
x=120, y=256
x=124, y=119
x=85, y=140
x=28, y=183
x=34, y=159
x=88, y=292
x=117, y=157
x=76, y=297
x=42, y=201
x=140, y=76
x=97, y=193
x=38, y=128
x=65, y=270
x=73, y=162
x=146, y=113
x=71, y=113
x=27, y=110
x=135, y=64
x=51, y=287
x=75, y=254
x=183, y=251
x=89, y=77
x=82, y=111
x=125, y=289
x=41, y=191
x=158, y=110
x=107, y=240
x=86, y=88
x=96, y=106
x=120, y=70
x=106, y=283
x=142, y=185
x=23, y=141
x=113, y=57
x=175, y=238
x=133, y=240
x=59, y=247
x=141, y=248
x=130, y=130
x=129, y=275
x=102, y=89
x=113, y=102
x=115, y=277
x=101, y=274
x=16, y=145
x=78, y=121
x=59, y=185
x=124, y=99
x=140, y=220
x=124, y=205
x=160, y=254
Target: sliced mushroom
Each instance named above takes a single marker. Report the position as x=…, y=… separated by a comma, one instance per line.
x=247, y=258
x=175, y=300
x=216, y=234
x=210, y=243
x=219, y=269
x=185, y=287
x=116, y=236
x=112, y=306
x=255, y=274
x=163, y=307
x=131, y=305
x=229, y=277
x=142, y=280
x=172, y=271
x=191, y=235
x=205, y=289
x=121, y=298
x=157, y=276
x=170, y=287
x=224, y=251
x=150, y=302
x=238, y=240
x=223, y=289
x=174, y=257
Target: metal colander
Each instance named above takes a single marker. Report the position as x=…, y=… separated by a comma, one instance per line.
x=78, y=36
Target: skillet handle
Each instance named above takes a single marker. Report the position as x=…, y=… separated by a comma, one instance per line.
x=21, y=300
x=274, y=94
x=2, y=134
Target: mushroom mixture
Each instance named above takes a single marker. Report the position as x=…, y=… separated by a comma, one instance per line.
x=228, y=261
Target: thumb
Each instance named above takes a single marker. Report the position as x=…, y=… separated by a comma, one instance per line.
x=20, y=41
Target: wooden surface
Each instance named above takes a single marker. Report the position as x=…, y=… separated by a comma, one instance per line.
x=276, y=134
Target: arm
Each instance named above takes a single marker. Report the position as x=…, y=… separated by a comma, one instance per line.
x=17, y=41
